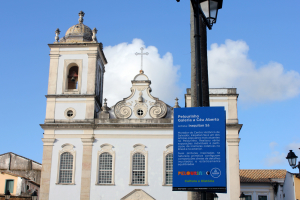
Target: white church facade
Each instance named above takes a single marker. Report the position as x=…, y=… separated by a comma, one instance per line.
x=121, y=152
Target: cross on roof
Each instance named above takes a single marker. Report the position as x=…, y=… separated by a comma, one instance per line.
x=146, y=53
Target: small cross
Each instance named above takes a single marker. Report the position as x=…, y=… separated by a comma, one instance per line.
x=141, y=57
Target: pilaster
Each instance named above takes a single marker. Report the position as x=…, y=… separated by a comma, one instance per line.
x=86, y=165
x=234, y=168
x=46, y=168
x=91, y=76
x=52, y=82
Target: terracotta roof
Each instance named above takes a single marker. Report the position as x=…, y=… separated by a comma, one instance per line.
x=261, y=175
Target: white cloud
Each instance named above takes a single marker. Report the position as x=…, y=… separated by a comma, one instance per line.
x=123, y=65
x=272, y=145
x=293, y=146
x=278, y=157
x=229, y=66
x=275, y=158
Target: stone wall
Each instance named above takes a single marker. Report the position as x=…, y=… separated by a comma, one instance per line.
x=21, y=166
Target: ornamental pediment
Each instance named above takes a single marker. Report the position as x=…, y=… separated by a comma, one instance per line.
x=140, y=104
x=138, y=194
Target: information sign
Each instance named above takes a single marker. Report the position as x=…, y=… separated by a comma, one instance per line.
x=199, y=161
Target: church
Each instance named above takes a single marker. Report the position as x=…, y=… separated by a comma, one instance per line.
x=118, y=152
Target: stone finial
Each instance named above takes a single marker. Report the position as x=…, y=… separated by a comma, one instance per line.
x=57, y=32
x=176, y=103
x=81, y=15
x=104, y=107
x=94, y=35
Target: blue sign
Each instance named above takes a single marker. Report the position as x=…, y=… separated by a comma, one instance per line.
x=199, y=161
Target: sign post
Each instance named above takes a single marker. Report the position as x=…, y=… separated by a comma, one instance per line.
x=199, y=162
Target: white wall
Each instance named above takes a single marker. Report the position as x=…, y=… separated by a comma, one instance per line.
x=58, y=192
x=288, y=187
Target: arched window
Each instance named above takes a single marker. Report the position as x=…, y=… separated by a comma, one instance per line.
x=66, y=168
x=138, y=168
x=73, y=78
x=168, y=165
x=105, y=168
x=169, y=169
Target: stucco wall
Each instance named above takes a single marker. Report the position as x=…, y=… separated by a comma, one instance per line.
x=65, y=191
x=3, y=178
x=288, y=187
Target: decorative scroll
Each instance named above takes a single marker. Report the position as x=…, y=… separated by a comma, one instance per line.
x=159, y=110
x=122, y=110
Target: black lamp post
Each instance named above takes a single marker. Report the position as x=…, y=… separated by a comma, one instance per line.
x=7, y=195
x=242, y=196
x=205, y=15
x=34, y=196
x=216, y=196
x=292, y=158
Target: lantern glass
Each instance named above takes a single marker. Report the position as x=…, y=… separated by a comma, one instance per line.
x=242, y=196
x=210, y=10
x=34, y=197
x=292, y=158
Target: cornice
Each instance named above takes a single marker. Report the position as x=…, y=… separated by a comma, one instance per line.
x=234, y=126
x=48, y=141
x=119, y=126
x=75, y=44
x=87, y=141
x=70, y=96
x=105, y=126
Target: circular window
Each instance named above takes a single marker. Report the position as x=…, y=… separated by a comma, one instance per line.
x=140, y=112
x=70, y=113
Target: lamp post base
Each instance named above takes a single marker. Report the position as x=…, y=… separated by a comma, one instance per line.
x=202, y=196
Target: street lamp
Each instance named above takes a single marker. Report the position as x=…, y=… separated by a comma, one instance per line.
x=216, y=196
x=242, y=196
x=210, y=9
x=7, y=195
x=292, y=158
x=34, y=196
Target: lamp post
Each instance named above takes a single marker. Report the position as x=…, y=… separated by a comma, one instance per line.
x=216, y=196
x=242, y=196
x=204, y=15
x=292, y=158
x=34, y=196
x=7, y=195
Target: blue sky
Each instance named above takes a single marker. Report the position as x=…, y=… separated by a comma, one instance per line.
x=262, y=35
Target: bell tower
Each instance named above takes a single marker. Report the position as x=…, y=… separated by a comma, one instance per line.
x=77, y=66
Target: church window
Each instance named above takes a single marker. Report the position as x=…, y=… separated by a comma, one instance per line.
x=105, y=168
x=139, y=165
x=66, y=164
x=168, y=165
x=138, y=169
x=70, y=113
x=73, y=78
x=140, y=112
x=66, y=168
x=106, y=165
x=169, y=169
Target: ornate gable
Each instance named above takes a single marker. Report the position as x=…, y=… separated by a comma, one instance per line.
x=141, y=104
x=138, y=194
